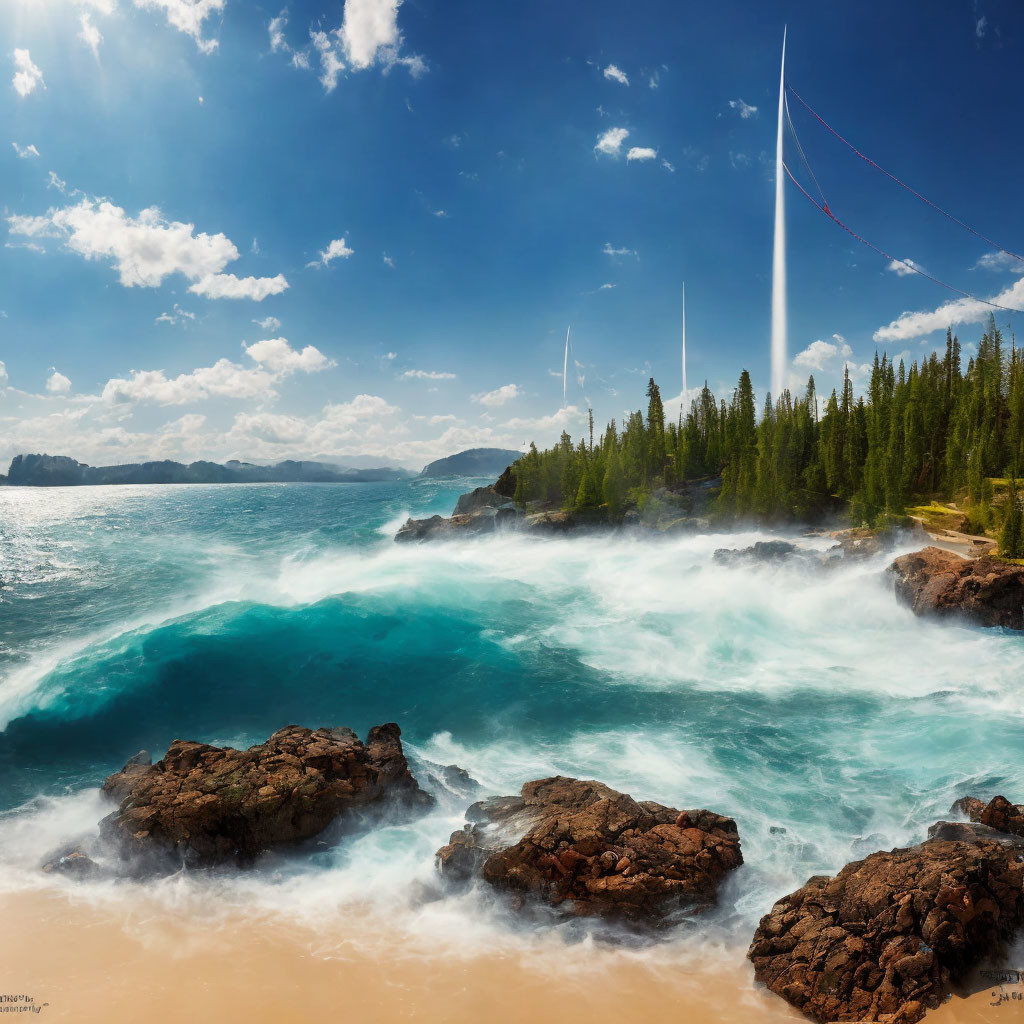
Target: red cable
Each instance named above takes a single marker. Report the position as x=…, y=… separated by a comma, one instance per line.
x=881, y=252
x=902, y=184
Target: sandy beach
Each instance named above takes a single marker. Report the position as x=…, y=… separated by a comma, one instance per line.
x=90, y=963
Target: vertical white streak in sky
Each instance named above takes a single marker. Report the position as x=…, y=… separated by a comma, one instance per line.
x=779, y=327
x=565, y=364
x=684, y=344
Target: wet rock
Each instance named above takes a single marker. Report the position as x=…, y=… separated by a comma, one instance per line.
x=480, y=497
x=998, y=813
x=73, y=863
x=983, y=590
x=210, y=804
x=484, y=519
x=594, y=851
x=884, y=939
x=971, y=830
x=448, y=778
x=762, y=551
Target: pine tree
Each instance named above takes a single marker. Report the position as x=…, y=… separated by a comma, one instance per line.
x=1011, y=536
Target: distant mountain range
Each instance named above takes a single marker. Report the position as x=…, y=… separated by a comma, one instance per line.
x=61, y=471
x=474, y=462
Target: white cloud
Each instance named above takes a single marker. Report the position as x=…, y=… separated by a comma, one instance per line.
x=182, y=316
x=268, y=323
x=616, y=74
x=980, y=26
x=440, y=213
x=903, y=268
x=670, y=167
x=999, y=261
x=58, y=384
x=331, y=65
x=610, y=250
x=745, y=110
x=335, y=250
x=25, y=151
x=641, y=153
x=90, y=35
x=369, y=26
x=275, y=359
x=610, y=142
x=148, y=248
x=819, y=354
x=224, y=379
x=229, y=286
x=427, y=375
x=388, y=261
x=368, y=36
x=951, y=314
x=26, y=75
x=275, y=30
x=100, y=6
x=652, y=81
x=499, y=396
x=187, y=16
x=276, y=355
x=3, y=374
x=606, y=287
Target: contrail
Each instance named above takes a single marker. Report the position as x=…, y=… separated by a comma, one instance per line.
x=684, y=343
x=565, y=364
x=779, y=254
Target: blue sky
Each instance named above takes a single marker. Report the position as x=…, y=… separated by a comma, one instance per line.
x=362, y=228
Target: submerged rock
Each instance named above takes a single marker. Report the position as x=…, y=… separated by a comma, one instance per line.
x=211, y=804
x=594, y=851
x=72, y=862
x=984, y=590
x=762, y=551
x=883, y=939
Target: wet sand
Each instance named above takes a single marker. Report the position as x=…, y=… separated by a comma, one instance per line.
x=100, y=963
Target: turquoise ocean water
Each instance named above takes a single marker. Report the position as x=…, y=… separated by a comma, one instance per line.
x=807, y=704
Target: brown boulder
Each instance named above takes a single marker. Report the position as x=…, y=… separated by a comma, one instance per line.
x=984, y=590
x=210, y=804
x=583, y=846
x=885, y=937
x=998, y=813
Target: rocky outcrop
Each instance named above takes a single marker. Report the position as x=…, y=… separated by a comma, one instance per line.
x=482, y=520
x=884, y=939
x=998, y=813
x=762, y=551
x=479, y=497
x=593, y=851
x=983, y=590
x=207, y=804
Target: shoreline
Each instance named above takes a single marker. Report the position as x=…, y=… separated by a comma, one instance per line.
x=102, y=962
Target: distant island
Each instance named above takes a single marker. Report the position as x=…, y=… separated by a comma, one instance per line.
x=473, y=462
x=61, y=471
